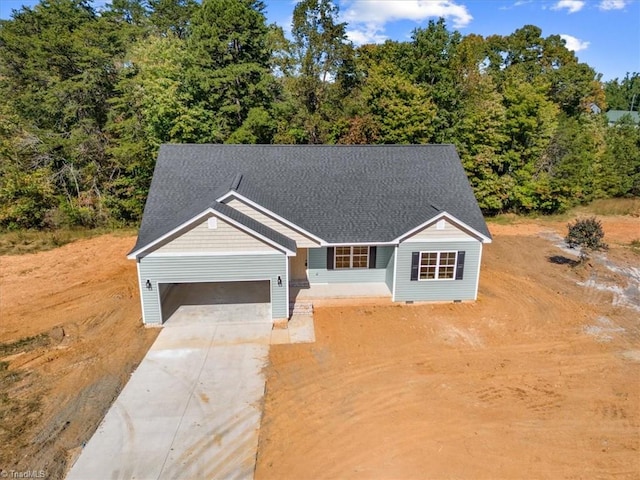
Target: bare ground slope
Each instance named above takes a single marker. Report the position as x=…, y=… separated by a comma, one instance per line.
x=70, y=335
x=538, y=379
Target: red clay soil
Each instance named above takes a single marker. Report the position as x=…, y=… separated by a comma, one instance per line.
x=70, y=335
x=540, y=378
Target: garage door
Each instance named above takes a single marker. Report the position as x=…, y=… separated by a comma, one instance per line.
x=216, y=301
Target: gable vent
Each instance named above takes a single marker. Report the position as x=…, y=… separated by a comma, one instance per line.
x=212, y=223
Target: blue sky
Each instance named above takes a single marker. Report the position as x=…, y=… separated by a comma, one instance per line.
x=603, y=33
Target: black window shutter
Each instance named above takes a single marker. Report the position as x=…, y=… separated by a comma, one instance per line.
x=460, y=266
x=372, y=257
x=415, y=260
x=330, y=251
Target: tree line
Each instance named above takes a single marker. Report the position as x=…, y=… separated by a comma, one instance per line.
x=88, y=96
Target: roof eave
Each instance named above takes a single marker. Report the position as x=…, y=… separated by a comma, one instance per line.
x=480, y=236
x=134, y=255
x=269, y=213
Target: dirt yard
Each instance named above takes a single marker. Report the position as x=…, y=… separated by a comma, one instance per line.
x=538, y=379
x=70, y=335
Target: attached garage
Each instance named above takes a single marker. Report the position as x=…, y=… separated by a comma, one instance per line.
x=248, y=301
x=167, y=281
x=221, y=263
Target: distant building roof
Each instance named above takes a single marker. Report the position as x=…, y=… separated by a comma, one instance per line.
x=615, y=115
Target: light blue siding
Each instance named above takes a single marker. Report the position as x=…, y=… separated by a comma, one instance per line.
x=191, y=269
x=389, y=272
x=318, y=273
x=437, y=290
x=383, y=255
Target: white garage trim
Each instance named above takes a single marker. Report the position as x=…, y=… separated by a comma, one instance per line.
x=144, y=321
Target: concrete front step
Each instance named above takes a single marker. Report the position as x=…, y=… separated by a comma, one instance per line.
x=301, y=308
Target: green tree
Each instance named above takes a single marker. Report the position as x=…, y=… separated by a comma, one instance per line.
x=402, y=112
x=228, y=72
x=624, y=94
x=572, y=86
x=480, y=139
x=27, y=194
x=318, y=72
x=149, y=109
x=58, y=72
x=570, y=162
x=431, y=65
x=171, y=16
x=619, y=172
x=530, y=122
x=320, y=47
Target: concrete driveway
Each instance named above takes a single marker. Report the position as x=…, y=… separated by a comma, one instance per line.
x=191, y=410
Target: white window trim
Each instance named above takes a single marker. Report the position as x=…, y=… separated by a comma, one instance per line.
x=437, y=265
x=350, y=267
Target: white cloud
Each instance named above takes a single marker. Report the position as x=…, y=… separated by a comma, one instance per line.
x=574, y=43
x=367, y=18
x=519, y=3
x=366, y=33
x=613, y=4
x=572, y=6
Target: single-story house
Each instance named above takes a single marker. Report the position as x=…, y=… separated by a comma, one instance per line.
x=400, y=216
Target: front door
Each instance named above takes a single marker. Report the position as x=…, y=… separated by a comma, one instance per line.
x=298, y=266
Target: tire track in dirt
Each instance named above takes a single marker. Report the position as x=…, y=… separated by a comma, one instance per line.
x=506, y=387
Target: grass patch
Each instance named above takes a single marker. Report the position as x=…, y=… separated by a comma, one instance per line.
x=32, y=241
x=24, y=344
x=635, y=246
x=504, y=219
x=603, y=207
x=612, y=206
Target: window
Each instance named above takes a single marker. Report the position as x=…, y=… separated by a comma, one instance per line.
x=352, y=257
x=437, y=265
x=343, y=257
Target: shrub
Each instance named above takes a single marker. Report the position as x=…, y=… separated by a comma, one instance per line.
x=587, y=234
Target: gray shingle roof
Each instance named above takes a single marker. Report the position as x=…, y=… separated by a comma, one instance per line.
x=340, y=193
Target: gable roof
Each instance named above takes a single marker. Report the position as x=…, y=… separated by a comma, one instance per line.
x=341, y=193
x=615, y=115
x=255, y=226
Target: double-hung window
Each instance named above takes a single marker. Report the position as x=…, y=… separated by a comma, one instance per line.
x=351, y=257
x=437, y=265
